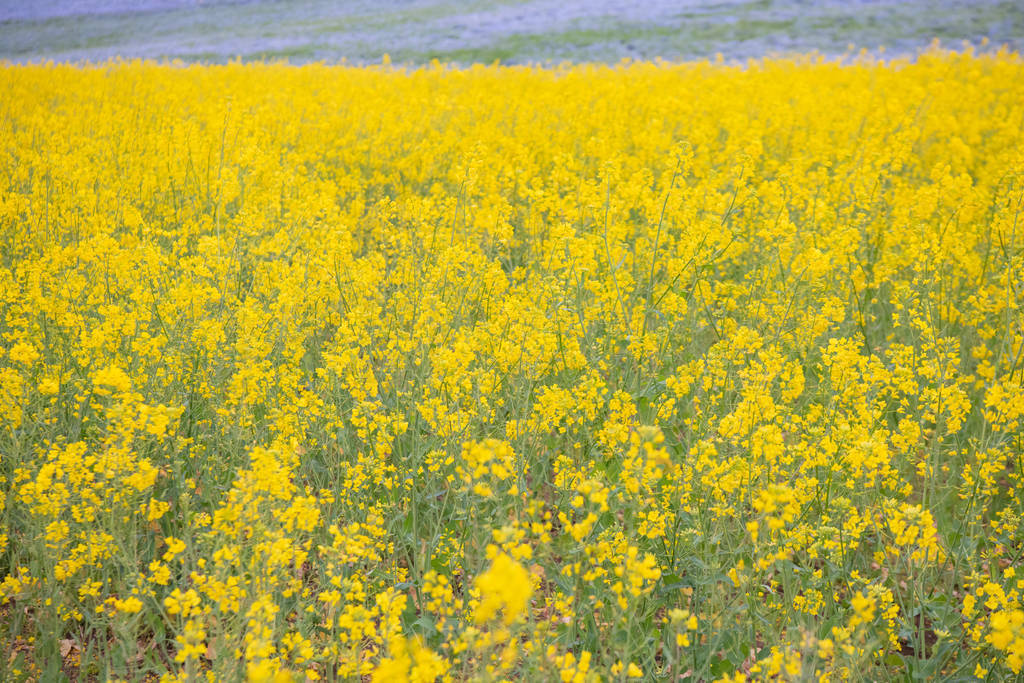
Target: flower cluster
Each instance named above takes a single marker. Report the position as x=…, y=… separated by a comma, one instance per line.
x=651, y=370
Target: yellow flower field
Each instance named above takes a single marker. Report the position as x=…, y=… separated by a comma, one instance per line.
x=582, y=373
